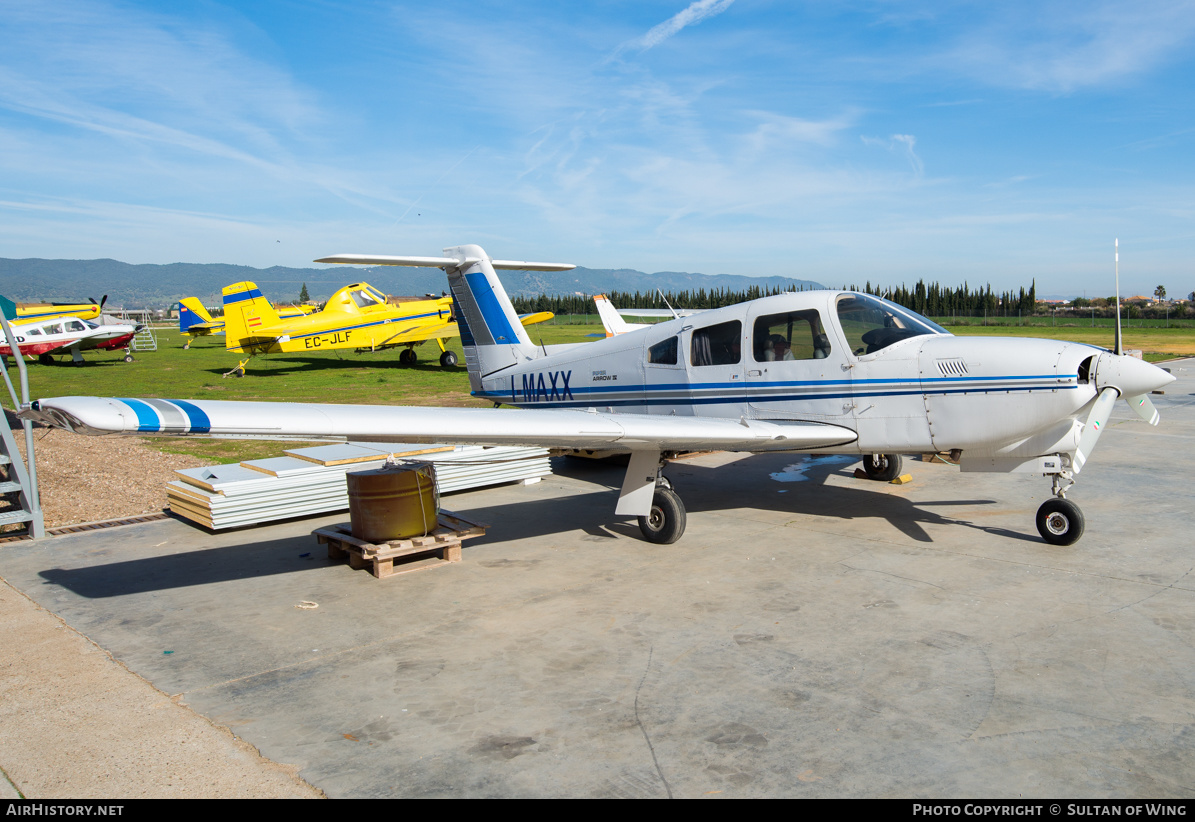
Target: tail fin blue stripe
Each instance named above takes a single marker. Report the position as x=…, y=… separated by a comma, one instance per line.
x=252, y=294
x=491, y=309
x=187, y=318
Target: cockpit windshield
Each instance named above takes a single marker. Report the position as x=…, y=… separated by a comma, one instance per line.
x=871, y=324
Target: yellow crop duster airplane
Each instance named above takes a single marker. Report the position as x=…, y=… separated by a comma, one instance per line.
x=357, y=317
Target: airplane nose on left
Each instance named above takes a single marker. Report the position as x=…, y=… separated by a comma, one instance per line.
x=1129, y=375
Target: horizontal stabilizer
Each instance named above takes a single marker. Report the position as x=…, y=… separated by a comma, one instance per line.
x=440, y=262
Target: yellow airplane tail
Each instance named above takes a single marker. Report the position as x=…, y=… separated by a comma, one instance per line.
x=191, y=312
x=245, y=311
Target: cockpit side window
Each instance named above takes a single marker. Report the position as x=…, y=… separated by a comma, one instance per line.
x=364, y=299
x=794, y=335
x=871, y=324
x=717, y=344
x=663, y=353
x=33, y=332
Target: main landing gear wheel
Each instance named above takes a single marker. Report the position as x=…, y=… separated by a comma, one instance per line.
x=186, y=345
x=882, y=467
x=1060, y=522
x=666, y=522
x=408, y=356
x=45, y=359
x=447, y=359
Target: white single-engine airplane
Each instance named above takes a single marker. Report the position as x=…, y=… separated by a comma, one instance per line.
x=823, y=371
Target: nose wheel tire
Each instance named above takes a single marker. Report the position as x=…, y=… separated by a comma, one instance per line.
x=666, y=522
x=1060, y=522
x=882, y=467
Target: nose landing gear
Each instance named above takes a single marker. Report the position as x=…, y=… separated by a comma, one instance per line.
x=1060, y=521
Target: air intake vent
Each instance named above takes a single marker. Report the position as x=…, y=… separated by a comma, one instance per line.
x=952, y=368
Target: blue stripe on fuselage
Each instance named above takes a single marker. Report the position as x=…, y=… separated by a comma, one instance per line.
x=703, y=393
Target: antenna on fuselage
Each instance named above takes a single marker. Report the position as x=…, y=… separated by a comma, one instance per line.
x=665, y=299
x=1117, y=344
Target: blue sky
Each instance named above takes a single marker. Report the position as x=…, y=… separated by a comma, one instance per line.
x=841, y=142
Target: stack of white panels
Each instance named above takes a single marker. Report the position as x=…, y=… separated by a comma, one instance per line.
x=311, y=481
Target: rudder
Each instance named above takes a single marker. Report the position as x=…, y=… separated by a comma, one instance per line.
x=491, y=333
x=191, y=312
x=245, y=311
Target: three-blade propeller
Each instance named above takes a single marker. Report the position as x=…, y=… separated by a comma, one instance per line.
x=1119, y=375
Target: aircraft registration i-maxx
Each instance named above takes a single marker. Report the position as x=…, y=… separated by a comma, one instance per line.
x=813, y=371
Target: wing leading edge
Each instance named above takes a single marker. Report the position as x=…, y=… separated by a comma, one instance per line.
x=466, y=426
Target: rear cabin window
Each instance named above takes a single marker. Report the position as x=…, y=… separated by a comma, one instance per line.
x=717, y=345
x=794, y=335
x=663, y=353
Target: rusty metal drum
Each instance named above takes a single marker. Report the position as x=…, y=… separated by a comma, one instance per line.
x=395, y=501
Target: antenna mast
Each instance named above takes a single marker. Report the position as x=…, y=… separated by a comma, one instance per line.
x=1118, y=344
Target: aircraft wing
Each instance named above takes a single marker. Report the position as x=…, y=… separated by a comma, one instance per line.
x=547, y=427
x=420, y=333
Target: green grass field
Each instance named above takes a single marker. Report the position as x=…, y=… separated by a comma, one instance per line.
x=378, y=379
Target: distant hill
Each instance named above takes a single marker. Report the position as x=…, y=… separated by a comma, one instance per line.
x=157, y=286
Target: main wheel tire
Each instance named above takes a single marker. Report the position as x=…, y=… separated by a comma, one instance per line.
x=45, y=359
x=882, y=467
x=448, y=359
x=666, y=522
x=1060, y=522
x=238, y=372
x=408, y=356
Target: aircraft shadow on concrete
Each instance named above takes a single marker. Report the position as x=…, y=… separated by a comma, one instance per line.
x=745, y=484
x=703, y=488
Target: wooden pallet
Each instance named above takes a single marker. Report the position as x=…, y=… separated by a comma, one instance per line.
x=441, y=546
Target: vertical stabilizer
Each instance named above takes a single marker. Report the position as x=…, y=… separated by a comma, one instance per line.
x=612, y=321
x=245, y=311
x=492, y=336
x=191, y=312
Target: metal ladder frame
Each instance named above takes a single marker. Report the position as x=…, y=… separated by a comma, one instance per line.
x=25, y=469
x=144, y=339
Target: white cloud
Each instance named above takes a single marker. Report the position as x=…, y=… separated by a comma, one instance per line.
x=1069, y=47
x=902, y=143
x=691, y=16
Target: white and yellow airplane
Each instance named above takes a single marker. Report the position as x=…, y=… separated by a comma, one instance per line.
x=814, y=371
